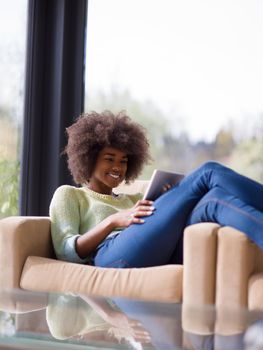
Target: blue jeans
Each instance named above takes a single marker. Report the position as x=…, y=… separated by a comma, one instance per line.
x=211, y=193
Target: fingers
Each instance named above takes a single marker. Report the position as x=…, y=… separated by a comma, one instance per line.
x=140, y=212
x=143, y=208
x=144, y=202
x=143, y=211
x=167, y=187
x=134, y=220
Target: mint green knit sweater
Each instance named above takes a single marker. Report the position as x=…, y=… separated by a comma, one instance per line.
x=74, y=211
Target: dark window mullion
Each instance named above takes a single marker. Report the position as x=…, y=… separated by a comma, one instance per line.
x=54, y=96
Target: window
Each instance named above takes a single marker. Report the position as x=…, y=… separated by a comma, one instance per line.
x=13, y=16
x=190, y=71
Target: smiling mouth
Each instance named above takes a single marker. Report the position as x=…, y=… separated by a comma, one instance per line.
x=114, y=176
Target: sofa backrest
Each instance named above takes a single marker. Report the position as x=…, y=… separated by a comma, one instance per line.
x=138, y=186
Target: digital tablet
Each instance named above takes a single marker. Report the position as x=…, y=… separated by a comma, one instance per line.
x=158, y=181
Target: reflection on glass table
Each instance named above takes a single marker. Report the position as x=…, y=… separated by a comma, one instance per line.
x=48, y=321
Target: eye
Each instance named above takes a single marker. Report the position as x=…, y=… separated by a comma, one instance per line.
x=124, y=161
x=109, y=159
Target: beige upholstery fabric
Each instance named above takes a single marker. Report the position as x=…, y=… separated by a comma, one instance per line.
x=138, y=186
x=163, y=283
x=200, y=244
x=19, y=238
x=235, y=262
x=239, y=271
x=255, y=292
x=222, y=266
x=255, y=285
x=258, y=259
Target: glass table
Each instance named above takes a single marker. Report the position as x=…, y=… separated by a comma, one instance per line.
x=67, y=321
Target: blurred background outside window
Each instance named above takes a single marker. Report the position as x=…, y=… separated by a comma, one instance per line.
x=190, y=71
x=13, y=16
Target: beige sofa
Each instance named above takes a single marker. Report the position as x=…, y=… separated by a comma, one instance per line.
x=221, y=266
x=27, y=260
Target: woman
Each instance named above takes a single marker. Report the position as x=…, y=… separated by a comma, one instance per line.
x=91, y=224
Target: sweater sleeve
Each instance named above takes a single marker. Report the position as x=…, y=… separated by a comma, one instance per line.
x=65, y=222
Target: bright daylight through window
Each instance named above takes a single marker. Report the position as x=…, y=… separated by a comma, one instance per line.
x=13, y=16
x=190, y=71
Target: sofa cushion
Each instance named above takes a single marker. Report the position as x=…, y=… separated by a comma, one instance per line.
x=160, y=283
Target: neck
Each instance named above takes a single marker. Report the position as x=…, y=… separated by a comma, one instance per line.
x=100, y=189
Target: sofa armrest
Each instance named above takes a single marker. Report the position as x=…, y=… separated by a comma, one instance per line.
x=235, y=263
x=200, y=244
x=255, y=292
x=19, y=238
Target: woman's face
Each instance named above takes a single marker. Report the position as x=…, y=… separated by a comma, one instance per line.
x=110, y=170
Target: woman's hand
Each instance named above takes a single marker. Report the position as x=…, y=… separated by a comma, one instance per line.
x=87, y=243
x=125, y=218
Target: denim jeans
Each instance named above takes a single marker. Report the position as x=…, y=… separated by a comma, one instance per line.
x=211, y=193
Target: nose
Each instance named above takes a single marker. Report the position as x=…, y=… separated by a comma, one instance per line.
x=116, y=167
